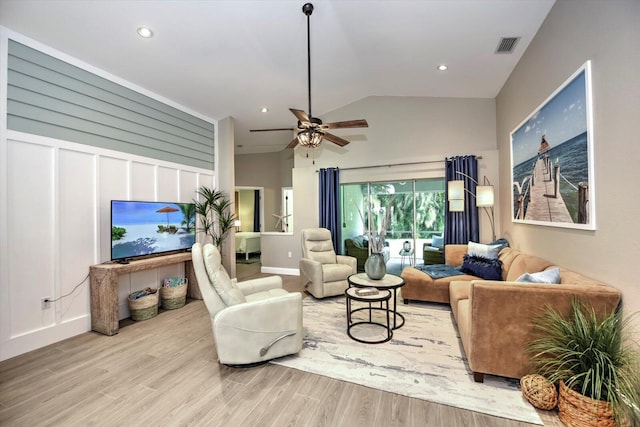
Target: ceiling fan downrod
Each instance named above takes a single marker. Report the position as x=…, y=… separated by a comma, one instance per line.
x=307, y=9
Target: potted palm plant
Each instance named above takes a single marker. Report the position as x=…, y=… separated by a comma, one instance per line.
x=593, y=361
x=214, y=210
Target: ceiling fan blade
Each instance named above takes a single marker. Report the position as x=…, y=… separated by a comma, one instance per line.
x=293, y=143
x=362, y=123
x=300, y=115
x=335, y=139
x=270, y=130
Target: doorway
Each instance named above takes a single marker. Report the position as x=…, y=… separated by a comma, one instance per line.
x=249, y=211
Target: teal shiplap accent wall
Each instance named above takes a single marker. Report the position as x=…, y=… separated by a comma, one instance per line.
x=49, y=97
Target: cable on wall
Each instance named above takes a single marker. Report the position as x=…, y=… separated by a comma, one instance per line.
x=72, y=291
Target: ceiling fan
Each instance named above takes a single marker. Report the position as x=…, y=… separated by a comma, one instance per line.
x=311, y=129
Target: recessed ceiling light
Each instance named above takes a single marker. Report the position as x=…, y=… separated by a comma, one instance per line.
x=145, y=32
x=264, y=110
x=442, y=67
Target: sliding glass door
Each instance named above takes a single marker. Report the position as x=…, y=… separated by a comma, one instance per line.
x=415, y=210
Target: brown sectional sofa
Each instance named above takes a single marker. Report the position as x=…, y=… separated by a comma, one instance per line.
x=494, y=317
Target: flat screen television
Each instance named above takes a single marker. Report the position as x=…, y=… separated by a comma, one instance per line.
x=141, y=229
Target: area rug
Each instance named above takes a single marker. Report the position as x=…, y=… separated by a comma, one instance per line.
x=423, y=360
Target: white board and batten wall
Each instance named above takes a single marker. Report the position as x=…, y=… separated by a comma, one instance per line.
x=55, y=199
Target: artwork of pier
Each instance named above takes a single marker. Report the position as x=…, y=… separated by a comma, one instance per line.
x=546, y=203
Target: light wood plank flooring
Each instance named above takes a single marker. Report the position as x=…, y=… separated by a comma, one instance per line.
x=164, y=372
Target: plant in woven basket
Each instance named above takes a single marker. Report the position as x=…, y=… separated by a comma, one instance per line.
x=592, y=357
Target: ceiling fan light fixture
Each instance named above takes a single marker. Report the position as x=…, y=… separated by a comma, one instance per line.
x=310, y=138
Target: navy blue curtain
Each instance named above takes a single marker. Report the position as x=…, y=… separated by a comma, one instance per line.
x=329, y=180
x=256, y=210
x=462, y=227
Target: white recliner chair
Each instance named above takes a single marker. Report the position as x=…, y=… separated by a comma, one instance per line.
x=253, y=321
x=323, y=273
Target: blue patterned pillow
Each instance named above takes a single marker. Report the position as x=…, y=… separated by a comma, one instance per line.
x=488, y=269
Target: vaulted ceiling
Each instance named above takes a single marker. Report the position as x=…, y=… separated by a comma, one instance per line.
x=225, y=58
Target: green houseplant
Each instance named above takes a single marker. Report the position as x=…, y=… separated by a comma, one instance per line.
x=214, y=210
x=592, y=356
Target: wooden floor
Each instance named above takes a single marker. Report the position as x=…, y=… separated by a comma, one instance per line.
x=163, y=372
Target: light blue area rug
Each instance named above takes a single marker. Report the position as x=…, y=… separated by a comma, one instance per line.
x=424, y=359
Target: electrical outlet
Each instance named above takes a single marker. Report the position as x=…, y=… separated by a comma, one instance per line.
x=46, y=302
x=289, y=254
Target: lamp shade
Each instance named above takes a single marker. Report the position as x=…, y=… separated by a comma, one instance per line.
x=456, y=190
x=237, y=223
x=484, y=196
x=456, y=205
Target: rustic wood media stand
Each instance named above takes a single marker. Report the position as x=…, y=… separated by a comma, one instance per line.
x=104, y=287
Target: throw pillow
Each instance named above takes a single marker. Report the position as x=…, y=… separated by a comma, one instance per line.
x=504, y=243
x=437, y=241
x=551, y=276
x=488, y=269
x=484, y=251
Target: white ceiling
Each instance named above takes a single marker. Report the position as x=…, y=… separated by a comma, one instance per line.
x=232, y=57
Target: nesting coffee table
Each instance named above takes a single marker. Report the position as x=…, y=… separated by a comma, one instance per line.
x=389, y=282
x=381, y=297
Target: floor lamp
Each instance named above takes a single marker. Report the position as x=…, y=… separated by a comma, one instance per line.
x=483, y=197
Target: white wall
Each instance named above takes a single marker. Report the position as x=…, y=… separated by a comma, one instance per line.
x=608, y=34
x=55, y=221
x=401, y=130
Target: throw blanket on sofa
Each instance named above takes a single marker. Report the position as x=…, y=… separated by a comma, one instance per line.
x=438, y=271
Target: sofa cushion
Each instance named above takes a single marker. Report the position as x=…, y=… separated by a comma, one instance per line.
x=488, y=269
x=484, y=251
x=437, y=241
x=551, y=275
x=463, y=321
x=525, y=263
x=458, y=291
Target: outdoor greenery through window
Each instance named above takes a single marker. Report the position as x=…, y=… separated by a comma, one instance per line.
x=415, y=209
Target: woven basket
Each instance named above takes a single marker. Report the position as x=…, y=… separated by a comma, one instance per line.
x=143, y=308
x=576, y=410
x=174, y=297
x=539, y=391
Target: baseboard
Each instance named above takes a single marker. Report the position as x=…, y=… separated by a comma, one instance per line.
x=279, y=270
x=35, y=339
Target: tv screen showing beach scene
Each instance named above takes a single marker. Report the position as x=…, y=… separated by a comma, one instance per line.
x=149, y=228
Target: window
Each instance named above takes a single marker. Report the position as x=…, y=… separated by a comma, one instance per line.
x=416, y=211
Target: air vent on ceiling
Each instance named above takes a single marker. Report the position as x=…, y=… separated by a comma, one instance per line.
x=507, y=44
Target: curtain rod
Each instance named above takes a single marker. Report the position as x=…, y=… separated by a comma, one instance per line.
x=396, y=164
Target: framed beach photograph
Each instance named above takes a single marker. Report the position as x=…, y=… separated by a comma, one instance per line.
x=552, y=159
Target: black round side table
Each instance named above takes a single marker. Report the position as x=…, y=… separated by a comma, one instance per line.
x=382, y=297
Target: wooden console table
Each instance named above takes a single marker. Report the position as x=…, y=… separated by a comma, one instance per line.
x=104, y=287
